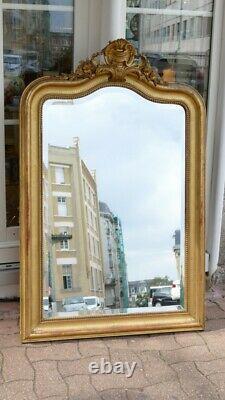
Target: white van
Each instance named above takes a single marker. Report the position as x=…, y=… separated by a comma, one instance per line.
x=45, y=303
x=94, y=302
x=175, y=291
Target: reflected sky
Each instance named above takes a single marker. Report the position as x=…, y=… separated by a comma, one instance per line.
x=136, y=148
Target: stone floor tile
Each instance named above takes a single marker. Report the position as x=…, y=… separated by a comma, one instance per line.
x=79, y=367
x=9, y=310
x=221, y=303
x=1, y=364
x=193, y=353
x=166, y=391
x=55, y=351
x=120, y=381
x=215, y=325
x=20, y=390
x=116, y=343
x=114, y=394
x=137, y=395
x=210, y=367
x=55, y=398
x=80, y=388
x=9, y=341
x=192, y=358
x=215, y=292
x=155, y=369
x=213, y=311
x=15, y=365
x=48, y=381
x=193, y=383
x=9, y=327
x=215, y=342
x=189, y=339
x=105, y=382
x=159, y=342
x=218, y=378
x=93, y=347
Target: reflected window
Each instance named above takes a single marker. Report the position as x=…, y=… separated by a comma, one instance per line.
x=64, y=244
x=67, y=277
x=62, y=207
x=59, y=175
x=178, y=46
x=35, y=43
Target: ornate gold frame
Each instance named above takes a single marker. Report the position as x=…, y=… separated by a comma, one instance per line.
x=118, y=68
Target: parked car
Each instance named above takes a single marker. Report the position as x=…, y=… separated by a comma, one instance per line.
x=162, y=297
x=153, y=290
x=74, y=304
x=93, y=303
x=175, y=291
x=13, y=64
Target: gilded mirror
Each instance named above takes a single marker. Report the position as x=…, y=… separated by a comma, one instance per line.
x=112, y=201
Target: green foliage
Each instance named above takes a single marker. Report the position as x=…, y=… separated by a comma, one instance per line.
x=160, y=281
x=142, y=300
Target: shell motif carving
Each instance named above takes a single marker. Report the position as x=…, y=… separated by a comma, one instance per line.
x=119, y=60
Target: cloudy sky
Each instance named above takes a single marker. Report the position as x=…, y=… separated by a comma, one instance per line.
x=136, y=148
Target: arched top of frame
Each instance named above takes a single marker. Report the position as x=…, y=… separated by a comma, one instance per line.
x=117, y=60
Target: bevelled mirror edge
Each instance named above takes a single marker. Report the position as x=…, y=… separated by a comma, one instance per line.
x=113, y=72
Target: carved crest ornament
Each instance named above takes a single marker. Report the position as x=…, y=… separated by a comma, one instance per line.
x=120, y=59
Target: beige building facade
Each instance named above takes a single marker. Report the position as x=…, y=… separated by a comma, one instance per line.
x=75, y=259
x=110, y=257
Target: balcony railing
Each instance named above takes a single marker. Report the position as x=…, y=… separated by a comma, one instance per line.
x=60, y=236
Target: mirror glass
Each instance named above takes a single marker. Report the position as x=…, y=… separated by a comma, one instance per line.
x=113, y=201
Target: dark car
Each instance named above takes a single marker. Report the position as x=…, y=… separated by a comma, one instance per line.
x=185, y=68
x=162, y=297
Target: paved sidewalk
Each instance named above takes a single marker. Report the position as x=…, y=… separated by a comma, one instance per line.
x=183, y=366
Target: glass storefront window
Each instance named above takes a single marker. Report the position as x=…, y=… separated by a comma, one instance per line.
x=173, y=4
x=35, y=43
x=12, y=174
x=176, y=44
x=42, y=2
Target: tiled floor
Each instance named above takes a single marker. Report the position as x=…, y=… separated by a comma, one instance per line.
x=169, y=367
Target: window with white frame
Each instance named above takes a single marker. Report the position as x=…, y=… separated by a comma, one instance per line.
x=67, y=276
x=64, y=244
x=37, y=39
x=62, y=206
x=59, y=175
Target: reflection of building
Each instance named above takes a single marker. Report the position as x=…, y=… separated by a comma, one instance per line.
x=76, y=262
x=138, y=287
x=47, y=247
x=182, y=40
x=110, y=258
x=122, y=264
x=32, y=33
x=176, y=249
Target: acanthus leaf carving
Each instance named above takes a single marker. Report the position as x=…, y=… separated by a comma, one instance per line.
x=120, y=59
